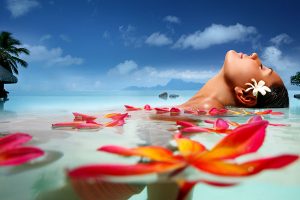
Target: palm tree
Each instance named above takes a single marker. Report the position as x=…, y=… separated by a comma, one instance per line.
x=295, y=80
x=10, y=51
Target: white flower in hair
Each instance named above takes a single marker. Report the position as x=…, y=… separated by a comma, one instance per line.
x=258, y=87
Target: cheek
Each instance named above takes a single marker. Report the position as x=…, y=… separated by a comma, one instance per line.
x=238, y=72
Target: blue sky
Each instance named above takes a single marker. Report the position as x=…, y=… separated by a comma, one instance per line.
x=91, y=45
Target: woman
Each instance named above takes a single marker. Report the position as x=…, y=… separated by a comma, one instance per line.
x=235, y=85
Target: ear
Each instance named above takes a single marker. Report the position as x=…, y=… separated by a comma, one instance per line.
x=245, y=98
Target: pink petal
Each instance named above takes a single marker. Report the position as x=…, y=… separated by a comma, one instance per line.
x=194, y=129
x=185, y=124
x=147, y=107
x=13, y=140
x=255, y=118
x=19, y=155
x=221, y=125
x=102, y=170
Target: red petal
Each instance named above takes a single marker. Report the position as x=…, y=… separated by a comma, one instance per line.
x=244, y=139
x=112, y=115
x=131, y=108
x=221, y=125
x=147, y=107
x=117, y=150
x=185, y=124
x=194, y=129
x=271, y=124
x=184, y=189
x=276, y=162
x=215, y=111
x=13, y=140
x=83, y=117
x=67, y=124
x=209, y=121
x=101, y=170
x=191, y=112
x=156, y=153
x=175, y=110
x=19, y=155
x=201, y=112
x=162, y=110
x=265, y=112
x=277, y=113
x=88, y=126
x=245, y=169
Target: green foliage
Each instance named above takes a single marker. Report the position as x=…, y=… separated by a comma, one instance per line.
x=295, y=80
x=10, y=51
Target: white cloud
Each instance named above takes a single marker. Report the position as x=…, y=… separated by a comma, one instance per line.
x=105, y=35
x=128, y=73
x=281, y=39
x=51, y=57
x=158, y=39
x=172, y=19
x=45, y=37
x=284, y=65
x=65, y=38
x=124, y=68
x=272, y=56
x=214, y=35
x=128, y=34
x=20, y=7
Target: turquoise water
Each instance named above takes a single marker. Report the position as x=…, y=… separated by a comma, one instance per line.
x=44, y=178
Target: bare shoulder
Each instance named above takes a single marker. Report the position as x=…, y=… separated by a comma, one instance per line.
x=203, y=103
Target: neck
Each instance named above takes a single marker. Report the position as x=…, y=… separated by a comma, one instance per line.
x=218, y=90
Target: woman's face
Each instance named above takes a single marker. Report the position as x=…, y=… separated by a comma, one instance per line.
x=240, y=68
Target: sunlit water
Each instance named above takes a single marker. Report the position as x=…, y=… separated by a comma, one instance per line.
x=45, y=178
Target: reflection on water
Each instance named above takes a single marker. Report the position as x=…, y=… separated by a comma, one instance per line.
x=45, y=179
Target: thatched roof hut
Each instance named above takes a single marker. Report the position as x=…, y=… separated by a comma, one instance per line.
x=6, y=76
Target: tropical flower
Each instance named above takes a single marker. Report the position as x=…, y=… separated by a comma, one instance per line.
x=220, y=160
x=258, y=87
x=12, y=152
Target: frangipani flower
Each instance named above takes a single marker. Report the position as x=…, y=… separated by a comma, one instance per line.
x=258, y=87
x=12, y=152
x=220, y=160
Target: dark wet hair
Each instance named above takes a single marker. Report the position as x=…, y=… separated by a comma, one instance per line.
x=277, y=98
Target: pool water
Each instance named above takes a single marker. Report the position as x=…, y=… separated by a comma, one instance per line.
x=44, y=178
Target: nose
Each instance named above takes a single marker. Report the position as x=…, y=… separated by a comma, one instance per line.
x=253, y=56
